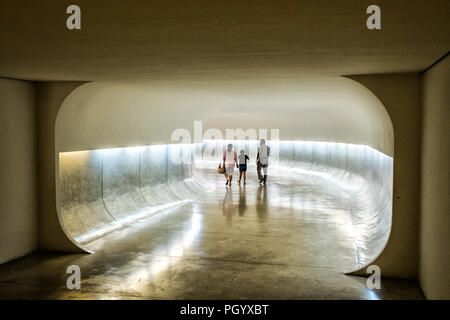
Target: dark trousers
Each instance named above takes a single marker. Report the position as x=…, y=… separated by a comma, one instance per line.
x=259, y=168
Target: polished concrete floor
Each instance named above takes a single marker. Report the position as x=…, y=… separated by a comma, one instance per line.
x=252, y=242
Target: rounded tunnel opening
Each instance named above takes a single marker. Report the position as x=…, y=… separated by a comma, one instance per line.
x=134, y=156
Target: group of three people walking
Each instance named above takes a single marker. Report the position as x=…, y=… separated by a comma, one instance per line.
x=231, y=159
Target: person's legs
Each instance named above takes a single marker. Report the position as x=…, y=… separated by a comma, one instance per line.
x=258, y=170
x=240, y=177
x=229, y=171
x=265, y=173
x=245, y=176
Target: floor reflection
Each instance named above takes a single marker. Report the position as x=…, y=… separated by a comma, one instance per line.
x=261, y=202
x=228, y=207
x=242, y=206
x=286, y=240
x=140, y=272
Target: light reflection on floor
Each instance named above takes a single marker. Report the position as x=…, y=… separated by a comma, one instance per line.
x=287, y=240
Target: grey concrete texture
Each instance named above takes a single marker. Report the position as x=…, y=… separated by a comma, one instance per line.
x=159, y=39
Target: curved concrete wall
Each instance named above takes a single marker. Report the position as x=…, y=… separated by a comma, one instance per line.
x=100, y=115
x=111, y=115
x=365, y=174
x=398, y=93
x=101, y=190
x=401, y=95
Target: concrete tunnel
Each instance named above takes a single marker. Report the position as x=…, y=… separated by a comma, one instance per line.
x=120, y=157
x=114, y=114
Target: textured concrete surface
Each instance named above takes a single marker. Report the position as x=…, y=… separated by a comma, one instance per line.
x=160, y=39
x=238, y=243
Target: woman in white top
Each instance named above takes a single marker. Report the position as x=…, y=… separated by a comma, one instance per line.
x=230, y=160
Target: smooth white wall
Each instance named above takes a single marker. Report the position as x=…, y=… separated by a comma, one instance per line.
x=18, y=174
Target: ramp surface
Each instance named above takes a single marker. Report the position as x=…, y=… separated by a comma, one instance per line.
x=347, y=186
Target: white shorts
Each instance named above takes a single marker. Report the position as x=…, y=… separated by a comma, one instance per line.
x=229, y=170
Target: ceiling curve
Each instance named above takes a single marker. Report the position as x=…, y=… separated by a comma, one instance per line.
x=111, y=114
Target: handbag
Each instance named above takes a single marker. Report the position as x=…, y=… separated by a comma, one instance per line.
x=221, y=169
